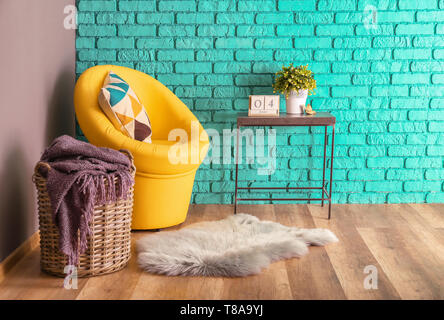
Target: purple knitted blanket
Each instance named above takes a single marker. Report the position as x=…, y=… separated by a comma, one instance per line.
x=75, y=183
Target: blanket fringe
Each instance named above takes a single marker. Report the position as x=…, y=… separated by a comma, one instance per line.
x=102, y=189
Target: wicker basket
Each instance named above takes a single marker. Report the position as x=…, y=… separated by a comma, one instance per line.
x=109, y=245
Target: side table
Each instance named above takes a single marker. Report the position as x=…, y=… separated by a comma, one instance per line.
x=320, y=119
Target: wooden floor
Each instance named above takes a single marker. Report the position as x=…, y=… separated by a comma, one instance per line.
x=404, y=242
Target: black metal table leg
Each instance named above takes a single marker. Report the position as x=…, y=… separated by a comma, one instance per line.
x=237, y=168
x=323, y=167
x=331, y=170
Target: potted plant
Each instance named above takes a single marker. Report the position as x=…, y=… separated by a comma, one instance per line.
x=296, y=83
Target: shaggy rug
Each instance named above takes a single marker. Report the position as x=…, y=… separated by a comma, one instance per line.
x=237, y=246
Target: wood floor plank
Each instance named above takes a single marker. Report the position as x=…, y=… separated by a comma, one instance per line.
x=312, y=276
x=423, y=230
x=351, y=255
x=425, y=245
x=404, y=242
x=417, y=240
x=371, y=215
x=409, y=276
x=432, y=213
x=417, y=232
x=27, y=281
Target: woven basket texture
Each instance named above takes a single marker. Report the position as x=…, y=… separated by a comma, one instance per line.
x=109, y=244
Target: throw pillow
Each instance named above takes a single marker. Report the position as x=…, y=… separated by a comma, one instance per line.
x=122, y=107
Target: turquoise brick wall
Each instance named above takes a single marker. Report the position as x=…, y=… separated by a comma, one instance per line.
x=384, y=85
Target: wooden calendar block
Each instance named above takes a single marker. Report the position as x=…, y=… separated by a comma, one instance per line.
x=266, y=105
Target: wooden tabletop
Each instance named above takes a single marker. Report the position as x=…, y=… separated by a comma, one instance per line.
x=284, y=119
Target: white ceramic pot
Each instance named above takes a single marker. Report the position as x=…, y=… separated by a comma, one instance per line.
x=296, y=102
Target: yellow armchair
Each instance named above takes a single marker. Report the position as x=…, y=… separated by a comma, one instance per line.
x=163, y=189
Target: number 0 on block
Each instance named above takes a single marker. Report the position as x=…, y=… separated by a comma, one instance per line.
x=264, y=106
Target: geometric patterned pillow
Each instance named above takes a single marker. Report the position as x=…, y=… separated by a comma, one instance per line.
x=122, y=107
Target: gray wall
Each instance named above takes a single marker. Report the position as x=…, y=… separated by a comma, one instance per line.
x=37, y=75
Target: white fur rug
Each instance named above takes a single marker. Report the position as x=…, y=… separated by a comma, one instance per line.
x=237, y=246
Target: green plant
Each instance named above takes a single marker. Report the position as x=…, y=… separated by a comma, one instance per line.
x=293, y=79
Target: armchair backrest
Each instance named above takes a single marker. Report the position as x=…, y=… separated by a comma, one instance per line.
x=165, y=110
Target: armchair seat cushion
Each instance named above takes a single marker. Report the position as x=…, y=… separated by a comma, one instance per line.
x=155, y=158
